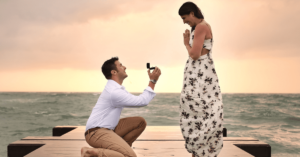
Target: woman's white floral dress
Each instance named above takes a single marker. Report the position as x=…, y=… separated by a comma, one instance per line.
x=201, y=107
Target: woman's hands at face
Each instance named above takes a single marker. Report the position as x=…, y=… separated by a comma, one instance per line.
x=186, y=37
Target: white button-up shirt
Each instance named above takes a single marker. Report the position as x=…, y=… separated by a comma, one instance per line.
x=111, y=102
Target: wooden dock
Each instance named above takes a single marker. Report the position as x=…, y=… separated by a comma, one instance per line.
x=155, y=141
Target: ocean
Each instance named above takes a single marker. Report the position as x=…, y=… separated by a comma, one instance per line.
x=271, y=118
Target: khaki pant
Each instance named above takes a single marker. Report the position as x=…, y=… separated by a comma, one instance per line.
x=118, y=142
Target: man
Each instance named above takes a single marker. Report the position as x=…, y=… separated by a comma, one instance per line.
x=109, y=135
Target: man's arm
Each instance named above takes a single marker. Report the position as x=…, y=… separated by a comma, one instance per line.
x=121, y=98
x=152, y=85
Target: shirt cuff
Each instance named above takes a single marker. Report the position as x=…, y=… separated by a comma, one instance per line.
x=150, y=89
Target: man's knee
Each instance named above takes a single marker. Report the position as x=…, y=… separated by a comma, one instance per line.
x=142, y=121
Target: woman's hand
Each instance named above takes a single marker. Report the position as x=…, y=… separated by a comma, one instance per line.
x=186, y=37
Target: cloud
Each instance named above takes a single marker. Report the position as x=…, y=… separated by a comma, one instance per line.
x=67, y=11
x=77, y=34
x=260, y=29
x=50, y=34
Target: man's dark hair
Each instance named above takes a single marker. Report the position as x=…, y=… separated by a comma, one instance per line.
x=189, y=7
x=108, y=66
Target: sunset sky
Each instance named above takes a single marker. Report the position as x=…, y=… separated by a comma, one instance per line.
x=60, y=46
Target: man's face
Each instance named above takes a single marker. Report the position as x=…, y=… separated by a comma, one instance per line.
x=121, y=70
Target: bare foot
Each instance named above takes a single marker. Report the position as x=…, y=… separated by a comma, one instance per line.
x=89, y=152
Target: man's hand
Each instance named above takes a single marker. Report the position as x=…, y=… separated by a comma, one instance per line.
x=155, y=74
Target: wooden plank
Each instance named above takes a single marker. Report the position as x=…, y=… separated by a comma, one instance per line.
x=155, y=141
x=61, y=130
x=55, y=148
x=52, y=138
x=230, y=150
x=239, y=139
x=22, y=148
x=255, y=148
x=152, y=133
x=146, y=138
x=177, y=149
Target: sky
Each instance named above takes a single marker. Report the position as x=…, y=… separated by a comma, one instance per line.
x=60, y=46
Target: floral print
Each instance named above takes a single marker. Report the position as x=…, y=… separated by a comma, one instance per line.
x=201, y=107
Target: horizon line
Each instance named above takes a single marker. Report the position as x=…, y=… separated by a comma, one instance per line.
x=131, y=92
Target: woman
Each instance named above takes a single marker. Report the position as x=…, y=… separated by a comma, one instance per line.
x=201, y=106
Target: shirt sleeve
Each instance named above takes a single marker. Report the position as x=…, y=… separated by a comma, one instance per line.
x=122, y=98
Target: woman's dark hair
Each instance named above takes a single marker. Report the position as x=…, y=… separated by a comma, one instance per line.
x=108, y=66
x=189, y=7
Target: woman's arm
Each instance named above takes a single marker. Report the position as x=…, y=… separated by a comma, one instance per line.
x=199, y=36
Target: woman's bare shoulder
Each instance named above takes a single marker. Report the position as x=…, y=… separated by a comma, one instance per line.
x=205, y=24
x=206, y=27
x=201, y=27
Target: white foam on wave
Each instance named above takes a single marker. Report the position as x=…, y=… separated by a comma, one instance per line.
x=41, y=112
x=293, y=112
x=272, y=135
x=73, y=114
x=166, y=117
x=285, y=155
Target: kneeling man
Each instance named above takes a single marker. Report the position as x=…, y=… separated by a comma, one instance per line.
x=109, y=135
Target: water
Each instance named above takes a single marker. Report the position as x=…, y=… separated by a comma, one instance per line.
x=271, y=118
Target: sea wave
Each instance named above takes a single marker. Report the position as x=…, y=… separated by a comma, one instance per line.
x=271, y=118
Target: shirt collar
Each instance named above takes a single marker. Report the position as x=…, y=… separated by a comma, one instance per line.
x=114, y=83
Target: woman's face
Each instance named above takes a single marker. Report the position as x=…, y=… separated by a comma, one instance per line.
x=189, y=19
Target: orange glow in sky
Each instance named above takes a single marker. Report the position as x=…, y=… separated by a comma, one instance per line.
x=60, y=47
